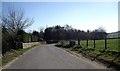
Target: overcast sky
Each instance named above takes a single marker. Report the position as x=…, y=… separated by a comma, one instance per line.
x=80, y=15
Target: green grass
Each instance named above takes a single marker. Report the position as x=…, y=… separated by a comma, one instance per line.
x=112, y=44
x=12, y=55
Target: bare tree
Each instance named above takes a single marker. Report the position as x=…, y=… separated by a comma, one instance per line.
x=101, y=29
x=14, y=21
x=41, y=32
x=41, y=29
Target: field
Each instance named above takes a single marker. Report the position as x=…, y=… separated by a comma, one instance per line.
x=112, y=44
x=110, y=56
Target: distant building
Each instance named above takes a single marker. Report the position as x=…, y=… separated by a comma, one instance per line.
x=113, y=35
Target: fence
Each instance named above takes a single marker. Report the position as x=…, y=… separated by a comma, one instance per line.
x=108, y=43
x=108, y=46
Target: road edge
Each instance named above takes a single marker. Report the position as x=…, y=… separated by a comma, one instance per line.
x=12, y=61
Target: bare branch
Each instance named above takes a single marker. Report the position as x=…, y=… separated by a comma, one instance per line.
x=14, y=20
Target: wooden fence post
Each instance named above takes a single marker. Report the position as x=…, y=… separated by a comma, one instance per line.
x=94, y=43
x=78, y=37
x=105, y=43
x=87, y=37
x=78, y=41
x=87, y=42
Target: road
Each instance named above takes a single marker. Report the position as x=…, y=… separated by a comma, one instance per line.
x=51, y=57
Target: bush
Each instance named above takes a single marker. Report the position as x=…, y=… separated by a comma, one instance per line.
x=78, y=46
x=58, y=44
x=26, y=37
x=34, y=38
x=40, y=39
x=7, y=42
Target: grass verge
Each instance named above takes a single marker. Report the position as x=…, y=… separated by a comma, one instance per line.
x=13, y=54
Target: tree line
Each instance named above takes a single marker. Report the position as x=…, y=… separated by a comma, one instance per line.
x=68, y=33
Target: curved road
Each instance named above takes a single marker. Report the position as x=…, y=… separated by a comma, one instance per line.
x=51, y=57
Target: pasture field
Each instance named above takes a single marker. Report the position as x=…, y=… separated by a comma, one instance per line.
x=112, y=44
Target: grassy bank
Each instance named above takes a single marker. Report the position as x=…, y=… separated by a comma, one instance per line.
x=13, y=54
x=98, y=53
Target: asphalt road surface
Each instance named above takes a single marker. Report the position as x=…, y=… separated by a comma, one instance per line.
x=51, y=57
